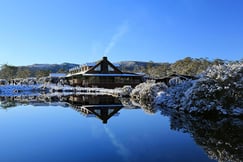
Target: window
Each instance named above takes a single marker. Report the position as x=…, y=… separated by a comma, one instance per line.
x=110, y=68
x=98, y=68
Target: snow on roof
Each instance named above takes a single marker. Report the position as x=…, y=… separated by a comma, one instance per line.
x=92, y=64
x=81, y=72
x=83, y=65
x=110, y=75
x=89, y=64
x=57, y=75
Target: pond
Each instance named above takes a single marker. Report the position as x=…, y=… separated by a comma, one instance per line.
x=103, y=128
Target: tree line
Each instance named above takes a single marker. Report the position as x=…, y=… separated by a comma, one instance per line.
x=186, y=66
x=10, y=72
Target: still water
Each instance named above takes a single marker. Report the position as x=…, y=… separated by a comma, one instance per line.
x=101, y=128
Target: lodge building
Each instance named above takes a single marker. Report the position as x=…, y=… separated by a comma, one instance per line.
x=102, y=74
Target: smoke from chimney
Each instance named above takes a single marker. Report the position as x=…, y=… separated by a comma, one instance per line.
x=123, y=28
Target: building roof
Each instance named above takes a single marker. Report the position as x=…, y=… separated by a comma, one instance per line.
x=124, y=74
x=90, y=65
x=104, y=67
x=57, y=75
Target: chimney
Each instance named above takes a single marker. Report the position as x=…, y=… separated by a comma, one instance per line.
x=105, y=58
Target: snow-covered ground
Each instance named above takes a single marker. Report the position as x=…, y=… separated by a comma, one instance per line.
x=17, y=90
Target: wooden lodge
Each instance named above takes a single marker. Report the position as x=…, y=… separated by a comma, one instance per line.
x=102, y=74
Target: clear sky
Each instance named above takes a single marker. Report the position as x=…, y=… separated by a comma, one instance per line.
x=80, y=31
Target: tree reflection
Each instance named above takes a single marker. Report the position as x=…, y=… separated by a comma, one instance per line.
x=221, y=138
x=145, y=105
x=7, y=102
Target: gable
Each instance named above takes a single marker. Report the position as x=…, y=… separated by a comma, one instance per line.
x=104, y=67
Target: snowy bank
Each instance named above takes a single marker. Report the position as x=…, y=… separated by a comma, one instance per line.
x=17, y=90
x=143, y=95
x=88, y=90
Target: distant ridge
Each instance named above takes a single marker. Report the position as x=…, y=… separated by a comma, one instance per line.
x=132, y=65
x=51, y=67
x=127, y=65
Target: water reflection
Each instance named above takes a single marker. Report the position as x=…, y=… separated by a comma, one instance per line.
x=102, y=107
x=35, y=100
x=221, y=138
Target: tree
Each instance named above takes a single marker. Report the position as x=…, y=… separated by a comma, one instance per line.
x=23, y=73
x=61, y=70
x=218, y=62
x=189, y=66
x=8, y=72
x=42, y=73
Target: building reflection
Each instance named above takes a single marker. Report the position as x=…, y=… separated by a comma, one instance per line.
x=103, y=106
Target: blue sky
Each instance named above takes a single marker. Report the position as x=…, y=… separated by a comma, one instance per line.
x=80, y=31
